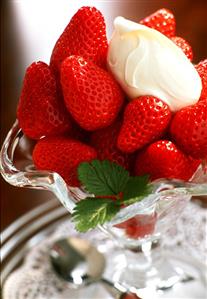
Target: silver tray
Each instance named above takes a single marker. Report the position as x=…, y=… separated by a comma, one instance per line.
x=26, y=232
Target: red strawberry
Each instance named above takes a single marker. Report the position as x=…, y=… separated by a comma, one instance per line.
x=145, y=119
x=184, y=45
x=162, y=20
x=201, y=68
x=163, y=159
x=203, y=99
x=62, y=155
x=41, y=110
x=85, y=35
x=91, y=95
x=105, y=141
x=189, y=129
x=139, y=226
x=130, y=296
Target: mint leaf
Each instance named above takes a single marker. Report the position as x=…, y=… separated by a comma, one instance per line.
x=103, y=177
x=90, y=212
x=136, y=189
x=106, y=179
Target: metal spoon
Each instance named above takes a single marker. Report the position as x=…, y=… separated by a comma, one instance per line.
x=80, y=264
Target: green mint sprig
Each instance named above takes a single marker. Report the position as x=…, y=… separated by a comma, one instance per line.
x=93, y=211
x=112, y=187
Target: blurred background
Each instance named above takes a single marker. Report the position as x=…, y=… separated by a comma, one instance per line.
x=29, y=30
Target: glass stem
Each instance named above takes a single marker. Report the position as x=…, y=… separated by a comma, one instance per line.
x=146, y=256
x=145, y=265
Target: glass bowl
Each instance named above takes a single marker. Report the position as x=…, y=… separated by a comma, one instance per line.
x=138, y=228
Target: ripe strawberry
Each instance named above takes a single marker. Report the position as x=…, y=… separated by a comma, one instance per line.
x=189, y=129
x=85, y=35
x=62, y=155
x=130, y=296
x=162, y=20
x=201, y=68
x=139, y=226
x=184, y=45
x=162, y=159
x=41, y=110
x=145, y=119
x=203, y=99
x=91, y=95
x=105, y=140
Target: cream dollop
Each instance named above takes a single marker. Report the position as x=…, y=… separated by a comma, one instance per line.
x=146, y=62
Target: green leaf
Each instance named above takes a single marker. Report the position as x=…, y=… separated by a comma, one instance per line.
x=103, y=177
x=136, y=189
x=90, y=212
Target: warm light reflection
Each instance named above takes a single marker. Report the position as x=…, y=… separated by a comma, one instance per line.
x=39, y=23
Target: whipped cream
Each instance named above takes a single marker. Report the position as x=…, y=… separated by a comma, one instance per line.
x=146, y=62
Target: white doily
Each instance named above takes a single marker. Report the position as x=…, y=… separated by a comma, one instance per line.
x=36, y=280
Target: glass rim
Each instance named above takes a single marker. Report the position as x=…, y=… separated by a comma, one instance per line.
x=52, y=181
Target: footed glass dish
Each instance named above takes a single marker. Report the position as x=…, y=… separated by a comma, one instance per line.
x=139, y=228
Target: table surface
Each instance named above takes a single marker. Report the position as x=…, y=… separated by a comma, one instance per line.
x=191, y=24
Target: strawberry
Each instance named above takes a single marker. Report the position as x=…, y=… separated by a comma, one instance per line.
x=85, y=35
x=203, y=99
x=201, y=68
x=105, y=141
x=130, y=296
x=139, y=226
x=145, y=119
x=41, y=110
x=62, y=155
x=162, y=159
x=184, y=45
x=162, y=20
x=91, y=95
x=189, y=129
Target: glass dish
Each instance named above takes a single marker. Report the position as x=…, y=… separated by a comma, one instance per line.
x=138, y=228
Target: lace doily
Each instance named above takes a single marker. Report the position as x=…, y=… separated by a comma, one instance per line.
x=36, y=280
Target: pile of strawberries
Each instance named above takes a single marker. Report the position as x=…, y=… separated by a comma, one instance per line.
x=77, y=112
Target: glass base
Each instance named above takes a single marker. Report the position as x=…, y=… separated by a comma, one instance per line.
x=173, y=276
